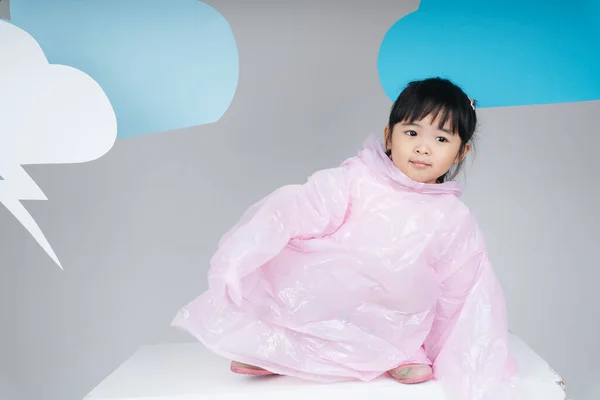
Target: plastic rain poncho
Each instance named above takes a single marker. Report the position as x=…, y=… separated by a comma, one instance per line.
x=353, y=273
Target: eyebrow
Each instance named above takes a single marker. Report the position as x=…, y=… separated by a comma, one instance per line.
x=439, y=129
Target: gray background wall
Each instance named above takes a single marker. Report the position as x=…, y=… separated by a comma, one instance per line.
x=5, y=9
x=136, y=228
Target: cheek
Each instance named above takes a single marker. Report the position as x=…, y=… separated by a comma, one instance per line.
x=450, y=155
x=398, y=147
x=397, y=154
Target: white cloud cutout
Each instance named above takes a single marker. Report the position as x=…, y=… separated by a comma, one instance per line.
x=50, y=114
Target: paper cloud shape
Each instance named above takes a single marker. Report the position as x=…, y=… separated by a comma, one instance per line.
x=50, y=114
x=164, y=64
x=503, y=53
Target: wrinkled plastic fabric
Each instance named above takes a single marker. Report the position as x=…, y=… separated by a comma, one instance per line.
x=353, y=273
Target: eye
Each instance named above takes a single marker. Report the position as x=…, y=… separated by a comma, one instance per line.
x=411, y=133
x=441, y=139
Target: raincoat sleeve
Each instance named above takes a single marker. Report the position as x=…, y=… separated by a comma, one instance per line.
x=468, y=342
x=314, y=209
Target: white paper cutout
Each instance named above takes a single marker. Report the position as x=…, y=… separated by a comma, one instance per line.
x=49, y=114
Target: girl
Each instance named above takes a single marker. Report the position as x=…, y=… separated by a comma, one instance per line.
x=374, y=266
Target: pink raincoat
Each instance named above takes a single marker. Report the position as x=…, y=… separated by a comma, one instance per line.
x=353, y=273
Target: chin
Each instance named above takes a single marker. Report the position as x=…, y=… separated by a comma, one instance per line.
x=421, y=179
x=417, y=178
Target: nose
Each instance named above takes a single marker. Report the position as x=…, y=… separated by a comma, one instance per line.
x=423, y=150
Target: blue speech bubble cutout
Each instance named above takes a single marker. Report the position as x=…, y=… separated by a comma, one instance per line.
x=164, y=65
x=507, y=53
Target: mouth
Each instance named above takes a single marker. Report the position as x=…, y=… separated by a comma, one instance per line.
x=420, y=164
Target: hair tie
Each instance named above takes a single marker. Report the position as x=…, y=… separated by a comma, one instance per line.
x=472, y=103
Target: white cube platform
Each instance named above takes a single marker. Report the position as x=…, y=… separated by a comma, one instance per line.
x=188, y=371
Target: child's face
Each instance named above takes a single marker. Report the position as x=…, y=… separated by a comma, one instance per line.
x=422, y=151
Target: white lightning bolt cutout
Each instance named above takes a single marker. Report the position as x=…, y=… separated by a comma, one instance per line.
x=49, y=114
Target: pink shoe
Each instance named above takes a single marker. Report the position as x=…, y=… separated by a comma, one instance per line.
x=245, y=369
x=412, y=377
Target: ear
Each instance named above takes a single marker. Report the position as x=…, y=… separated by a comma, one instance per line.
x=461, y=157
x=387, y=137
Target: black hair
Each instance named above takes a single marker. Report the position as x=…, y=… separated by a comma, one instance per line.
x=437, y=97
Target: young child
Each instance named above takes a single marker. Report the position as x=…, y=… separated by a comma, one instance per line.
x=372, y=267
